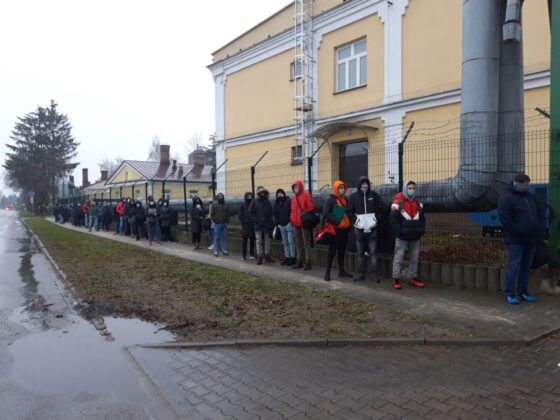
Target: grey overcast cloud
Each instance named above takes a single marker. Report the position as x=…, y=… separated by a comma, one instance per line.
x=123, y=70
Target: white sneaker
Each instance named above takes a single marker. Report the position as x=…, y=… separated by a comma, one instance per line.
x=211, y=247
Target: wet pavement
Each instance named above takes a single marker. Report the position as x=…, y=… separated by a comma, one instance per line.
x=53, y=363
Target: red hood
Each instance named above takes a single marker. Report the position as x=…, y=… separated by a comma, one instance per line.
x=299, y=184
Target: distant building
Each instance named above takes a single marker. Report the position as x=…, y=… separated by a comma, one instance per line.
x=203, y=156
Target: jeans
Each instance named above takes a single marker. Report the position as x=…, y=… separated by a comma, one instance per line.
x=338, y=246
x=303, y=245
x=153, y=231
x=263, y=243
x=288, y=240
x=122, y=225
x=220, y=235
x=86, y=220
x=93, y=223
x=413, y=258
x=366, y=242
x=519, y=261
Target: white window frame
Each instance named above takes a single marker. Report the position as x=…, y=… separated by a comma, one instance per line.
x=297, y=158
x=346, y=61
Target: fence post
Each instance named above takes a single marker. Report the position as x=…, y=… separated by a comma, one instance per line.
x=185, y=204
x=554, y=170
x=146, y=191
x=401, y=157
x=253, y=180
x=310, y=174
x=121, y=192
x=132, y=193
x=110, y=196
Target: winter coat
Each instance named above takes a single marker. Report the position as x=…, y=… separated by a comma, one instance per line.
x=152, y=214
x=165, y=216
x=282, y=209
x=197, y=216
x=94, y=211
x=301, y=203
x=107, y=213
x=120, y=208
x=219, y=213
x=261, y=211
x=245, y=217
x=335, y=199
x=139, y=213
x=523, y=217
x=85, y=209
x=129, y=210
x=407, y=218
x=360, y=204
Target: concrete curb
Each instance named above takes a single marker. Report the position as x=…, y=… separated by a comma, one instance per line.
x=542, y=336
x=339, y=342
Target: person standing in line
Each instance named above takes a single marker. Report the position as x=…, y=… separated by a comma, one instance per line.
x=197, y=216
x=301, y=203
x=94, y=213
x=365, y=210
x=335, y=212
x=165, y=221
x=153, y=215
x=85, y=214
x=121, y=222
x=247, y=226
x=220, y=216
x=523, y=217
x=282, y=210
x=262, y=215
x=409, y=224
x=139, y=221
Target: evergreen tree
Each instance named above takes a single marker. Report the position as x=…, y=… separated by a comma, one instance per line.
x=43, y=149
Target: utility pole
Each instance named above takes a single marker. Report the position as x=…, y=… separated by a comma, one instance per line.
x=554, y=174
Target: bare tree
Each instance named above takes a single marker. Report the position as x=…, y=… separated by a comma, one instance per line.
x=110, y=165
x=194, y=142
x=153, y=156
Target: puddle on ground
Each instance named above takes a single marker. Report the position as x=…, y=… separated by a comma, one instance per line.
x=77, y=359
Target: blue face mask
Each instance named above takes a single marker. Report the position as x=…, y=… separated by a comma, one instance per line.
x=410, y=193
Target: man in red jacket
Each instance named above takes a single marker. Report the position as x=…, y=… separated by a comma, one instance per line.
x=85, y=213
x=120, y=212
x=301, y=203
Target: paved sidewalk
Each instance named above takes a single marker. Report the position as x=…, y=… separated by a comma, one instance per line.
x=483, y=314
x=353, y=383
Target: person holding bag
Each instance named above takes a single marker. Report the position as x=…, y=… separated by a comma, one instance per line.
x=334, y=213
x=302, y=207
x=365, y=209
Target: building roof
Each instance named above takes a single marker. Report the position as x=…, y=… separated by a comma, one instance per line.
x=156, y=171
x=95, y=187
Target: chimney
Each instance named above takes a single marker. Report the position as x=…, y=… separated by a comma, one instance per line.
x=199, y=159
x=85, y=181
x=164, y=157
x=104, y=175
x=174, y=165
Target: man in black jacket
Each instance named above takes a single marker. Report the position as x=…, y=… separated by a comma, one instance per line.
x=262, y=214
x=247, y=226
x=282, y=211
x=365, y=209
x=523, y=217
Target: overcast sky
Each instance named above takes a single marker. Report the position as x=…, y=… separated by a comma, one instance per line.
x=123, y=70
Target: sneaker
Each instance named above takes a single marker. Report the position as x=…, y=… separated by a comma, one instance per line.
x=215, y=254
x=512, y=300
x=415, y=283
x=360, y=277
x=397, y=284
x=244, y=258
x=225, y=253
x=252, y=257
x=327, y=276
x=211, y=247
x=528, y=298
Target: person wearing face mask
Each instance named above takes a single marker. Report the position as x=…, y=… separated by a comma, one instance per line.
x=165, y=221
x=220, y=216
x=247, y=226
x=139, y=221
x=335, y=212
x=301, y=203
x=409, y=224
x=523, y=217
x=153, y=215
x=262, y=215
x=365, y=210
x=197, y=216
x=282, y=210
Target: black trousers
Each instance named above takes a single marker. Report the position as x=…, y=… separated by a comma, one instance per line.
x=338, y=246
x=251, y=239
x=166, y=234
x=196, y=238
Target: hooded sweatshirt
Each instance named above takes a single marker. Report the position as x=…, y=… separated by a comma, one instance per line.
x=245, y=218
x=407, y=217
x=301, y=203
x=219, y=212
x=335, y=199
x=152, y=213
x=282, y=208
x=365, y=203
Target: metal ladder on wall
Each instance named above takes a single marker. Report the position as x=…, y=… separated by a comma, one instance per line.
x=302, y=75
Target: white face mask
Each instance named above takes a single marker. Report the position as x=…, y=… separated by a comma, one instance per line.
x=165, y=204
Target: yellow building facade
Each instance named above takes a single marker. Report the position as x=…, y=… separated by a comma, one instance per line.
x=377, y=64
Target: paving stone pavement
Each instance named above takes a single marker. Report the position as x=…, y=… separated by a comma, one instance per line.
x=359, y=383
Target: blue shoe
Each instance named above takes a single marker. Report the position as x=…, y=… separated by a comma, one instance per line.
x=528, y=298
x=512, y=300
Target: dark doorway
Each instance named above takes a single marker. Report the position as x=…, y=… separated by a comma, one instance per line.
x=353, y=162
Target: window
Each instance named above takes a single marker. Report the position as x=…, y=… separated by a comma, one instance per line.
x=167, y=194
x=351, y=69
x=295, y=70
x=193, y=193
x=353, y=161
x=297, y=155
